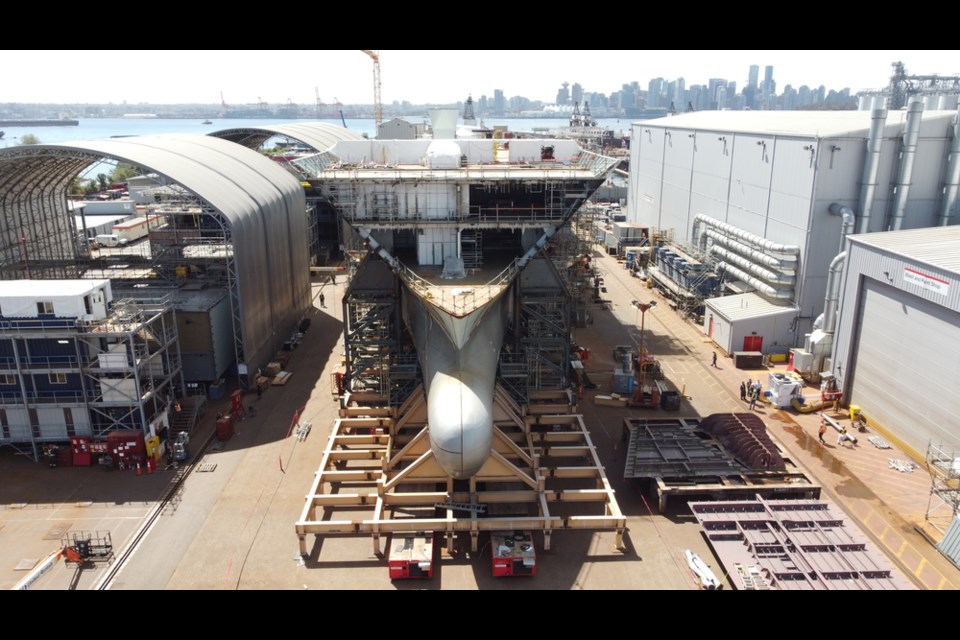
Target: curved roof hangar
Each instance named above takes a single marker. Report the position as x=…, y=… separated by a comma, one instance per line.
x=317, y=135
x=261, y=206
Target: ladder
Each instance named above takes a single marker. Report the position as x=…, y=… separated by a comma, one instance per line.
x=471, y=242
x=462, y=506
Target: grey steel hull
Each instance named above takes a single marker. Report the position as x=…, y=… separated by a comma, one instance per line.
x=458, y=357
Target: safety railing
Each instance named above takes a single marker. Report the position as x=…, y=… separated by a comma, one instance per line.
x=477, y=214
x=458, y=300
x=46, y=397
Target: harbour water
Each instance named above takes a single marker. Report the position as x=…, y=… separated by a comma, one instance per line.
x=100, y=128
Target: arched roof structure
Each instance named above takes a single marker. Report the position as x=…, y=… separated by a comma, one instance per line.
x=317, y=135
x=258, y=206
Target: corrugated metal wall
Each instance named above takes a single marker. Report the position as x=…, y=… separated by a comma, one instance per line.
x=896, y=348
x=950, y=544
x=777, y=185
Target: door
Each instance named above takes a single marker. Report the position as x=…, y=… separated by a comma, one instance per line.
x=753, y=343
x=905, y=368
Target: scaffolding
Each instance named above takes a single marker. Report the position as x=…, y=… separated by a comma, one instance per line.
x=943, y=464
x=545, y=338
x=379, y=354
x=903, y=86
x=195, y=243
x=571, y=251
x=129, y=371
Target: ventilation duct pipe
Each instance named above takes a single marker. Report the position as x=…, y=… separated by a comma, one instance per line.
x=911, y=136
x=766, y=274
x=871, y=168
x=746, y=236
x=952, y=183
x=758, y=256
x=759, y=285
x=838, y=209
x=832, y=299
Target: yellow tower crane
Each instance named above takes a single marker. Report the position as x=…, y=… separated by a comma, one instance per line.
x=377, y=107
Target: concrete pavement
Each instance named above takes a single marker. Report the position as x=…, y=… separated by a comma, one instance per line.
x=233, y=527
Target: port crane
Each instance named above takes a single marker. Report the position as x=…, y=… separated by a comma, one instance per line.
x=340, y=109
x=377, y=107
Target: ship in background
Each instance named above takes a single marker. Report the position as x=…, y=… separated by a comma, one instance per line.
x=456, y=288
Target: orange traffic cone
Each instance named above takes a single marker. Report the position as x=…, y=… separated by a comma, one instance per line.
x=139, y=470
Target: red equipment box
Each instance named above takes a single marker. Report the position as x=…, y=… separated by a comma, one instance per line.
x=411, y=556
x=513, y=553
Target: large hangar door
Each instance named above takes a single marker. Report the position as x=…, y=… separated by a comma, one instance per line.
x=907, y=370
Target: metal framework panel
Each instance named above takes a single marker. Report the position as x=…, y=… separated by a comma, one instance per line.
x=378, y=476
x=682, y=459
x=794, y=544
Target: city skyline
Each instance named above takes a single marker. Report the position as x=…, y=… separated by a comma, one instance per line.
x=279, y=77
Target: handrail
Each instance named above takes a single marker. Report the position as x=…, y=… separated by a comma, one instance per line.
x=476, y=213
x=466, y=298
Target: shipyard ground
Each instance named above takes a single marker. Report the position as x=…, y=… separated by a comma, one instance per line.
x=232, y=527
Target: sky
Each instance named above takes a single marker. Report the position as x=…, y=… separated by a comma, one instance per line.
x=417, y=76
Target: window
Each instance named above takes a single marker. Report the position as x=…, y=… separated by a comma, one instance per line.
x=44, y=307
x=58, y=378
x=8, y=379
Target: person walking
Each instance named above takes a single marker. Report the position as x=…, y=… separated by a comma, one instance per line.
x=823, y=430
x=322, y=300
x=743, y=391
x=259, y=391
x=842, y=437
x=714, y=362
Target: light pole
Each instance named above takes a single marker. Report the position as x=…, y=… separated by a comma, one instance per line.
x=643, y=307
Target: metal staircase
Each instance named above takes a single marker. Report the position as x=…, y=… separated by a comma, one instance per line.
x=471, y=248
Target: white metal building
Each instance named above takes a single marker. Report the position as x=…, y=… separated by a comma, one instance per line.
x=897, y=344
x=783, y=188
x=400, y=129
x=75, y=361
x=770, y=329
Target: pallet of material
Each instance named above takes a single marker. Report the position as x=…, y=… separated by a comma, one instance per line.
x=272, y=369
x=282, y=357
x=609, y=401
x=282, y=378
x=264, y=382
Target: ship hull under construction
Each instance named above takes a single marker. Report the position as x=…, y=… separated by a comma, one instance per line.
x=459, y=373
x=424, y=208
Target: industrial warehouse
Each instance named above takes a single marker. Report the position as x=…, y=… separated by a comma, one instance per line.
x=473, y=280
x=767, y=204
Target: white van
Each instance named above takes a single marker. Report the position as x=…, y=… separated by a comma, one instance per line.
x=110, y=240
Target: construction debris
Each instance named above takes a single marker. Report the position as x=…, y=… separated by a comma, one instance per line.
x=303, y=430
x=903, y=466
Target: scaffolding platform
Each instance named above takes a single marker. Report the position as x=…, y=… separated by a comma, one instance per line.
x=378, y=476
x=943, y=464
x=682, y=460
